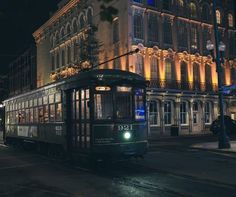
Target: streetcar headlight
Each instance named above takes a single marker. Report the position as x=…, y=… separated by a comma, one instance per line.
x=127, y=135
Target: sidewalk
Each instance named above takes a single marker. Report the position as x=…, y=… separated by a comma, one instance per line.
x=213, y=146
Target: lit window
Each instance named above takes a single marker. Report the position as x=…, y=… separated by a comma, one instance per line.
x=230, y=20
x=154, y=68
x=168, y=70
x=218, y=17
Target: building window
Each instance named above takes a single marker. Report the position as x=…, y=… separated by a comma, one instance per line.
x=138, y=1
x=166, y=5
x=153, y=113
x=63, y=58
x=180, y=6
x=116, y=31
x=75, y=29
x=233, y=75
x=89, y=16
x=184, y=73
x=68, y=55
x=208, y=76
x=58, y=60
x=139, y=65
x=206, y=35
x=182, y=34
x=68, y=31
x=196, y=73
x=230, y=20
x=152, y=3
x=231, y=43
x=82, y=23
x=167, y=112
x=53, y=62
x=168, y=70
x=218, y=17
x=154, y=68
x=193, y=10
x=167, y=31
x=194, y=37
x=116, y=62
x=62, y=33
x=207, y=113
x=184, y=113
x=138, y=26
x=153, y=28
x=205, y=12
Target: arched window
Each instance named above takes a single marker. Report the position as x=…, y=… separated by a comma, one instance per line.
x=154, y=68
x=208, y=75
x=193, y=10
x=89, y=16
x=152, y=28
x=207, y=112
x=81, y=21
x=153, y=113
x=75, y=51
x=218, y=17
x=138, y=26
x=184, y=113
x=116, y=37
x=230, y=20
x=75, y=28
x=205, y=12
x=139, y=65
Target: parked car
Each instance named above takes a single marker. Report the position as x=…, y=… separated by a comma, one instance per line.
x=230, y=125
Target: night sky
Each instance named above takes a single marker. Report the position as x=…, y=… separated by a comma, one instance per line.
x=18, y=20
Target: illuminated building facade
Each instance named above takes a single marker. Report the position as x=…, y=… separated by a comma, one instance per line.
x=174, y=33
x=22, y=72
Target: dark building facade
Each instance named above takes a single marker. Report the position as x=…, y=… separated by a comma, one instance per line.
x=22, y=72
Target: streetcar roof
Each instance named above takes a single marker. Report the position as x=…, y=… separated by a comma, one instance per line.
x=87, y=77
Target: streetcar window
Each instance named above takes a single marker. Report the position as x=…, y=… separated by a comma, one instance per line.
x=40, y=112
x=103, y=107
x=45, y=111
x=139, y=105
x=123, y=105
x=52, y=112
x=58, y=112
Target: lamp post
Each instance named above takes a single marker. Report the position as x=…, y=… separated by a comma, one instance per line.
x=223, y=140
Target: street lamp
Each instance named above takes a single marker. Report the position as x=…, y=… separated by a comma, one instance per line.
x=219, y=59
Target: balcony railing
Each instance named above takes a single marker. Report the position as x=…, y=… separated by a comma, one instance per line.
x=182, y=85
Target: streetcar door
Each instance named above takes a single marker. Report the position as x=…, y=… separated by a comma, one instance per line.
x=80, y=119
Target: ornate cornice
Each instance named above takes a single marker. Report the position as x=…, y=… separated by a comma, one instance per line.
x=38, y=34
